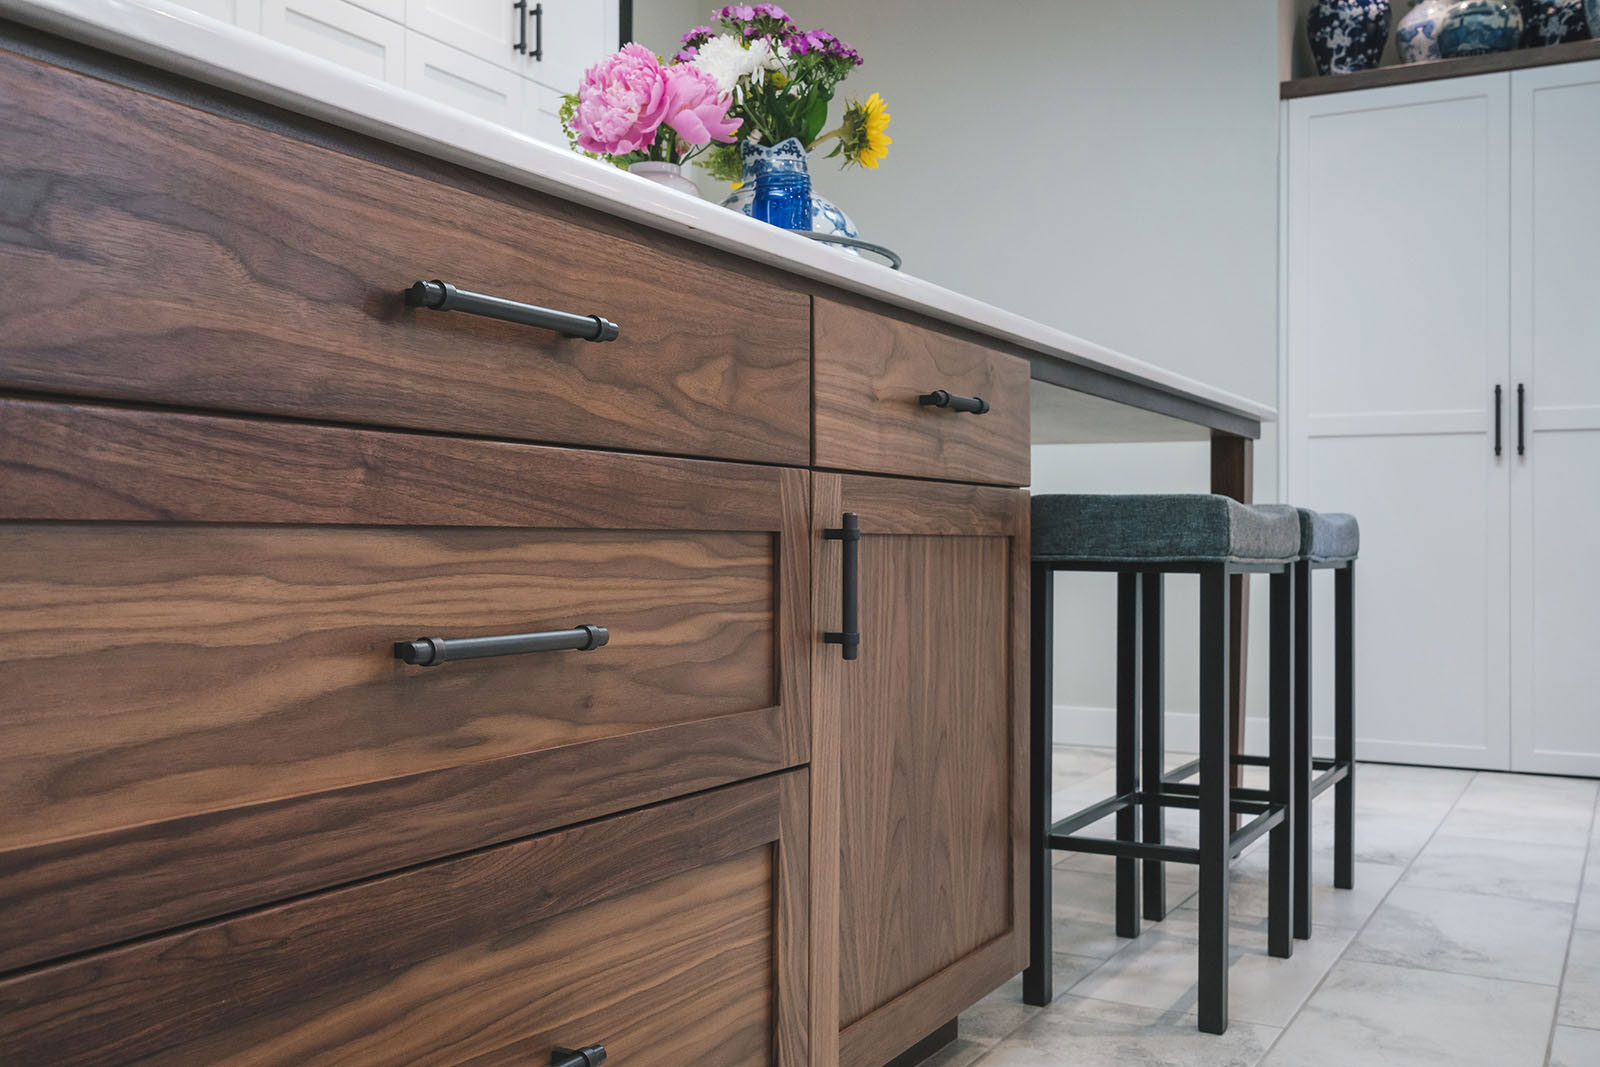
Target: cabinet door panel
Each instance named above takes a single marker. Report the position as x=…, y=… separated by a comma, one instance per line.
x=1555, y=530
x=925, y=732
x=576, y=33
x=209, y=711
x=246, y=14
x=485, y=29
x=1396, y=326
x=463, y=81
x=667, y=935
x=340, y=32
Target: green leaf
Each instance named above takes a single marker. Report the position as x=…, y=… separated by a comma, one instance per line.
x=816, y=117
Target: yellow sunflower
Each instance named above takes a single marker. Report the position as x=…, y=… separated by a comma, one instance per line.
x=863, y=138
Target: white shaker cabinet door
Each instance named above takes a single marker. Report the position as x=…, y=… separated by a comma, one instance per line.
x=246, y=14
x=1555, y=483
x=463, y=81
x=574, y=34
x=541, y=114
x=487, y=29
x=1396, y=327
x=341, y=32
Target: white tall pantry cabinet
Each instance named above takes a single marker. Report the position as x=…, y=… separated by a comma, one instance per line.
x=1442, y=379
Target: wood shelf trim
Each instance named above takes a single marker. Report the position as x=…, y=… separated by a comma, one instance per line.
x=1465, y=67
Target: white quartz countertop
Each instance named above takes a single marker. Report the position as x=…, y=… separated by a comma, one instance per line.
x=179, y=40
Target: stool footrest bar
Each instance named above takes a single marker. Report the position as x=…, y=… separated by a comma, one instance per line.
x=1138, y=850
x=1093, y=813
x=1332, y=776
x=1247, y=834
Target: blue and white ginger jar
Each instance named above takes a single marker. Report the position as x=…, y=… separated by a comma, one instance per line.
x=1416, y=36
x=785, y=156
x=1478, y=27
x=1347, y=35
x=1592, y=10
x=1546, y=22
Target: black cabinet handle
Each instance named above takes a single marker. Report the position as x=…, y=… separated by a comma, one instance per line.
x=432, y=651
x=538, y=55
x=521, y=9
x=1497, y=398
x=977, y=405
x=1522, y=444
x=588, y=1056
x=850, y=637
x=442, y=296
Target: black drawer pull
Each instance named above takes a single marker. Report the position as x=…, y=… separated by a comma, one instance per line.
x=977, y=405
x=432, y=651
x=850, y=637
x=520, y=8
x=442, y=296
x=588, y=1056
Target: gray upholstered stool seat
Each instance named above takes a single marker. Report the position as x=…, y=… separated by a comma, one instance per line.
x=1326, y=536
x=1162, y=528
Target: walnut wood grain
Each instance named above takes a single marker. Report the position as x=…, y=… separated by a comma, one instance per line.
x=870, y=371
x=653, y=933
x=826, y=713
x=178, y=256
x=931, y=724
x=208, y=714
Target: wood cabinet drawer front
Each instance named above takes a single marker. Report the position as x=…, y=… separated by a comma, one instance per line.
x=168, y=680
x=668, y=935
x=870, y=374
x=176, y=256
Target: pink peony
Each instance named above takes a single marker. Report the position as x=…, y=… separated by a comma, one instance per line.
x=695, y=109
x=621, y=103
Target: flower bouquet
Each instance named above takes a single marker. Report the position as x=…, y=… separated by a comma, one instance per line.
x=752, y=93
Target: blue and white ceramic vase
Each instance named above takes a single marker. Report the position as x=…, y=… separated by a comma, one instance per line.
x=1478, y=27
x=1347, y=35
x=1416, y=37
x=785, y=157
x=1592, y=10
x=1547, y=22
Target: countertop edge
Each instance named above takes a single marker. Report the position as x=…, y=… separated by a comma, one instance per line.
x=190, y=44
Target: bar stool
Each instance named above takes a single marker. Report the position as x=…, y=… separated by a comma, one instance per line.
x=1142, y=538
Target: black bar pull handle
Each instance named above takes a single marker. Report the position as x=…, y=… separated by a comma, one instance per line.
x=521, y=10
x=850, y=637
x=977, y=405
x=1497, y=401
x=588, y=1056
x=538, y=55
x=432, y=651
x=442, y=296
x=1522, y=443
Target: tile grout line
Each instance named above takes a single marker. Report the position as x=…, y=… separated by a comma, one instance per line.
x=1365, y=922
x=1566, y=959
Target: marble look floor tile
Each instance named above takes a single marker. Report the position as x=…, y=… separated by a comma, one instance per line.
x=1468, y=933
x=1372, y=1014
x=1096, y=1033
x=1589, y=895
x=1524, y=807
x=1572, y=1047
x=1499, y=868
x=1092, y=894
x=1392, y=840
x=1337, y=909
x=1580, y=989
x=1421, y=792
x=1096, y=938
x=959, y=1053
x=998, y=1014
x=1159, y=970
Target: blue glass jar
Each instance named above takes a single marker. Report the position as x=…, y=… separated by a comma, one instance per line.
x=783, y=198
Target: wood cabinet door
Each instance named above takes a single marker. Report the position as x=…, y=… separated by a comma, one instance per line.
x=919, y=757
x=205, y=709
x=670, y=935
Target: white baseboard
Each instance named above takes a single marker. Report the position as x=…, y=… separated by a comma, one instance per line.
x=1077, y=725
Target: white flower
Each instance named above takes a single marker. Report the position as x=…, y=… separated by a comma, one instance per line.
x=727, y=59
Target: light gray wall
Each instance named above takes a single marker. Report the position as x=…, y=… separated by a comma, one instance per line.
x=1107, y=168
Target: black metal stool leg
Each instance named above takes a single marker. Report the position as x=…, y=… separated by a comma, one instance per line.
x=1154, y=742
x=1127, y=748
x=1215, y=799
x=1344, y=731
x=1303, y=771
x=1037, y=984
x=1281, y=856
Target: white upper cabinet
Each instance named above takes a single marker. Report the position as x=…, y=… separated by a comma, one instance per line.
x=242, y=13
x=463, y=81
x=486, y=29
x=574, y=34
x=339, y=31
x=1397, y=332
x=1555, y=360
